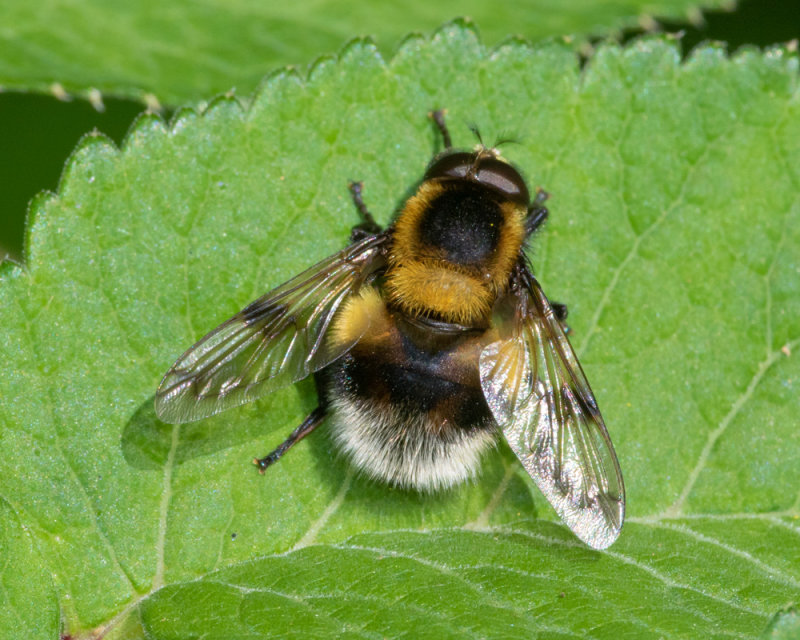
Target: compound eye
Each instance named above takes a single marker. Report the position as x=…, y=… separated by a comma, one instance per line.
x=504, y=178
x=492, y=172
x=451, y=165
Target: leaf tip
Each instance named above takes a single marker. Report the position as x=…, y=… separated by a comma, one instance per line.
x=222, y=105
x=358, y=51
x=152, y=103
x=96, y=100
x=457, y=32
x=288, y=74
x=320, y=66
x=783, y=625
x=182, y=118
x=146, y=125
x=358, y=48
x=58, y=91
x=410, y=42
x=36, y=208
x=463, y=28
x=9, y=267
x=648, y=23
x=93, y=147
x=695, y=17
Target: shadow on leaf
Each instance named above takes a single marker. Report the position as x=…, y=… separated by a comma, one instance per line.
x=146, y=441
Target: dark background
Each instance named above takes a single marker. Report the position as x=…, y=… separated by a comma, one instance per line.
x=38, y=132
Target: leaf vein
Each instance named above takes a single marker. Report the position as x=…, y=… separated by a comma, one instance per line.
x=310, y=535
x=163, y=508
x=634, y=563
x=482, y=520
x=676, y=508
x=769, y=570
x=338, y=594
x=605, y=298
x=51, y=405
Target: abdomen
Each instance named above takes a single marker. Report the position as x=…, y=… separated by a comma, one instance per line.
x=406, y=403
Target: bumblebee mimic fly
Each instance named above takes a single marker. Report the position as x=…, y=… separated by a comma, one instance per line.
x=427, y=340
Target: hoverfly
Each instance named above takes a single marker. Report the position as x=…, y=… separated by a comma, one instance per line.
x=426, y=339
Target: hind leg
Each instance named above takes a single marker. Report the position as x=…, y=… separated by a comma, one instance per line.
x=313, y=420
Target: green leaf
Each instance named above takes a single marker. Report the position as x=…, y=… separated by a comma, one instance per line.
x=188, y=51
x=674, y=237
x=784, y=626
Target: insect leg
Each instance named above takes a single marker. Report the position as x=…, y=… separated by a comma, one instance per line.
x=438, y=118
x=537, y=213
x=560, y=310
x=313, y=420
x=368, y=227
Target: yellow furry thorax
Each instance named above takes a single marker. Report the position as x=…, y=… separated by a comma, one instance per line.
x=423, y=288
x=419, y=281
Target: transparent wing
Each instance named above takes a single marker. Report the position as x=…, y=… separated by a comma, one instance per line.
x=276, y=340
x=542, y=401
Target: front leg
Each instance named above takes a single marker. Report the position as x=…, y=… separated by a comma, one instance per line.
x=537, y=213
x=368, y=227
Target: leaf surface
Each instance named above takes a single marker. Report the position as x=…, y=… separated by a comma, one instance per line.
x=187, y=51
x=674, y=237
